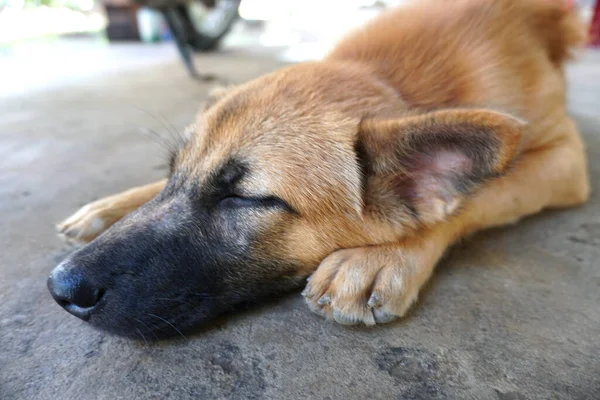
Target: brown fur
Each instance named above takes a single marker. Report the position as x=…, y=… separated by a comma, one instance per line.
x=431, y=122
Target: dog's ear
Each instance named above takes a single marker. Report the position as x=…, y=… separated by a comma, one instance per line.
x=429, y=163
x=215, y=94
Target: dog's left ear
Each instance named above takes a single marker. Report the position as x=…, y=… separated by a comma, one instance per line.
x=429, y=163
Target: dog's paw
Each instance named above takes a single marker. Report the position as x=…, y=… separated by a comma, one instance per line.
x=368, y=285
x=88, y=222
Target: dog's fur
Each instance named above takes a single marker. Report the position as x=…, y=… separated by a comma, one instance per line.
x=431, y=122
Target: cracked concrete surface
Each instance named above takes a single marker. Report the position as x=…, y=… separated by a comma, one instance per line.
x=512, y=313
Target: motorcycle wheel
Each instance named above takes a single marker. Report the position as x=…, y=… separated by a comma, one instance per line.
x=206, y=31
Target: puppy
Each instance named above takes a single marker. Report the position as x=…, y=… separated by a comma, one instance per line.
x=433, y=121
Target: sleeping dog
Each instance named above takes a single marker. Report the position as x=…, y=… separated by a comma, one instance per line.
x=431, y=122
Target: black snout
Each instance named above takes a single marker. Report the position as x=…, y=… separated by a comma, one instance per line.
x=169, y=266
x=73, y=292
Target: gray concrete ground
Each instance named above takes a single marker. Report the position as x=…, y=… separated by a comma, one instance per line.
x=512, y=313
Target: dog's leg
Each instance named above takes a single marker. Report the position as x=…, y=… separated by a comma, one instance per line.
x=378, y=284
x=94, y=218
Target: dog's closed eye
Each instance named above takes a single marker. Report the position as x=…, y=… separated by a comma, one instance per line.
x=270, y=202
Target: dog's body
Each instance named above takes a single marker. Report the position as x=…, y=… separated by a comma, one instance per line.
x=433, y=121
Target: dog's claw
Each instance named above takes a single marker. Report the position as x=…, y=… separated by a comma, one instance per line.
x=344, y=319
x=374, y=301
x=324, y=300
x=382, y=317
x=304, y=293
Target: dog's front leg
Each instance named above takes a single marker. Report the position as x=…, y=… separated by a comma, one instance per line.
x=375, y=284
x=96, y=217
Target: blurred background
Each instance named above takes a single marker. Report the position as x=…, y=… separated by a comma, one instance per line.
x=47, y=42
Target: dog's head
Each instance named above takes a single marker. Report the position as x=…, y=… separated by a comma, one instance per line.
x=274, y=176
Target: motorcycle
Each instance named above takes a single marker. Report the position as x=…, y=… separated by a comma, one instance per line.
x=191, y=34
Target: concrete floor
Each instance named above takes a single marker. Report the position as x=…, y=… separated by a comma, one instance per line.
x=512, y=313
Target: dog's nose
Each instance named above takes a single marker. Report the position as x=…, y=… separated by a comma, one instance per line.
x=73, y=292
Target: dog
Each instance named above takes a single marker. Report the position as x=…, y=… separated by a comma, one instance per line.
x=431, y=122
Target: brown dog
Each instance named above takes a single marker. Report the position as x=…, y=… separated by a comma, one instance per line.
x=431, y=122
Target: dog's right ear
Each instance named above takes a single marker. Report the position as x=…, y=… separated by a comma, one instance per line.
x=215, y=95
x=428, y=164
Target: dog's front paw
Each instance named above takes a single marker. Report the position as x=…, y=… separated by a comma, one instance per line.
x=370, y=285
x=88, y=222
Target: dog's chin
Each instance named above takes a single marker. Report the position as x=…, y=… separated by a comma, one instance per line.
x=152, y=324
x=155, y=321
x=156, y=332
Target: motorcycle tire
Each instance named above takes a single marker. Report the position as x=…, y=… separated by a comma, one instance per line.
x=206, y=35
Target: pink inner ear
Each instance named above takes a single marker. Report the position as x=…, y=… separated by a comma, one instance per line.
x=434, y=181
x=434, y=174
x=451, y=161
x=442, y=162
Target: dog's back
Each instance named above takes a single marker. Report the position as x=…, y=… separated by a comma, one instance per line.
x=502, y=54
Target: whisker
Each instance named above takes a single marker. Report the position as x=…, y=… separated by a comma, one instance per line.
x=205, y=296
x=156, y=327
x=173, y=326
x=177, y=300
x=158, y=138
x=179, y=139
x=174, y=134
x=147, y=327
x=142, y=335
